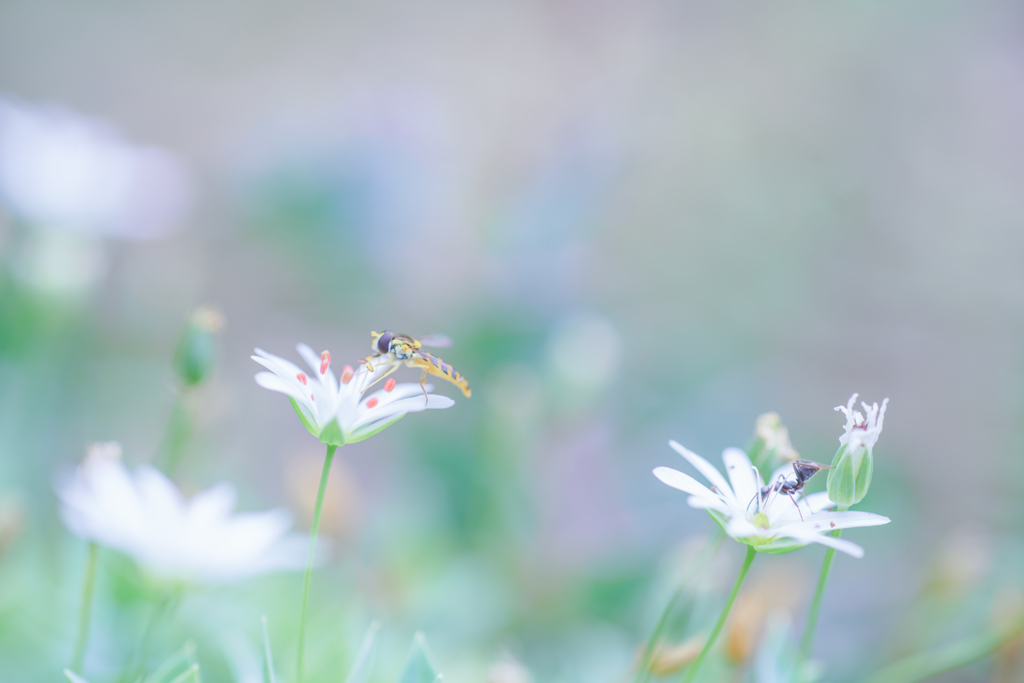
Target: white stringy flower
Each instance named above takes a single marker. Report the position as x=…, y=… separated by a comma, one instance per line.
x=862, y=429
x=338, y=412
x=775, y=523
x=197, y=540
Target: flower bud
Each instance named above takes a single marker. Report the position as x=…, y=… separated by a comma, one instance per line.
x=850, y=476
x=197, y=348
x=771, y=446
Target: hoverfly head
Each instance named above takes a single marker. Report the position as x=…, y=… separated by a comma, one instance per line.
x=382, y=342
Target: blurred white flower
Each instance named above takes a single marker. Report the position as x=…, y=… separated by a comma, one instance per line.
x=62, y=171
x=337, y=412
x=775, y=524
x=198, y=541
x=862, y=430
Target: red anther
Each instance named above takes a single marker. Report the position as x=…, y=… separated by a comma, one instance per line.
x=372, y=403
x=346, y=374
x=312, y=397
x=302, y=378
x=325, y=361
x=390, y=384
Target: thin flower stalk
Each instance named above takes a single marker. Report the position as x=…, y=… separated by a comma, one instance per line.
x=691, y=672
x=328, y=459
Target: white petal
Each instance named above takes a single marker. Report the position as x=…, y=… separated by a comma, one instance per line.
x=818, y=502
x=685, y=483
x=741, y=474
x=277, y=365
x=739, y=527
x=840, y=544
x=407, y=405
x=709, y=471
x=269, y=380
x=827, y=521
x=311, y=357
x=710, y=504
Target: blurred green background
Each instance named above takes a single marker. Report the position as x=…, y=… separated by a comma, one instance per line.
x=637, y=221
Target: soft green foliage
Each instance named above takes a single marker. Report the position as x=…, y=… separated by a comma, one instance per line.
x=850, y=476
x=419, y=668
x=360, y=672
x=268, y=657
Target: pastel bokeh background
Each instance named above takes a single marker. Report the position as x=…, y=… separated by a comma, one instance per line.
x=638, y=221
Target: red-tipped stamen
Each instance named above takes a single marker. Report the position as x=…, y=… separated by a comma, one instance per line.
x=302, y=378
x=346, y=374
x=325, y=361
x=390, y=384
x=372, y=403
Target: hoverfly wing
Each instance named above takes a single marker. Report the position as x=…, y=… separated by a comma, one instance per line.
x=438, y=341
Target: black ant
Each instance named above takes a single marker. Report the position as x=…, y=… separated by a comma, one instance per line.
x=804, y=469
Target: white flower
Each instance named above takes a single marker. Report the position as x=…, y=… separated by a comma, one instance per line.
x=63, y=171
x=774, y=524
x=197, y=541
x=862, y=430
x=337, y=412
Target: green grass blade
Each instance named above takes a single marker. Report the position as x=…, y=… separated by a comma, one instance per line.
x=364, y=662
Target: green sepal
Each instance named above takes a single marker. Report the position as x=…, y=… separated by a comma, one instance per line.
x=372, y=429
x=850, y=476
x=419, y=668
x=331, y=434
x=305, y=416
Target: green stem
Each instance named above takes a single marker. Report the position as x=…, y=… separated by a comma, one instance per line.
x=691, y=671
x=309, y=562
x=179, y=429
x=88, y=586
x=924, y=665
x=807, y=640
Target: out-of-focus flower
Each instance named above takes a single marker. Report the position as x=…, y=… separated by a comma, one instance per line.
x=775, y=523
x=336, y=412
x=772, y=441
x=197, y=348
x=60, y=170
x=144, y=515
x=509, y=670
x=668, y=659
x=850, y=476
x=774, y=594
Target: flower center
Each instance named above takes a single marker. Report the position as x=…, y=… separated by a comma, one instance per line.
x=761, y=521
x=325, y=361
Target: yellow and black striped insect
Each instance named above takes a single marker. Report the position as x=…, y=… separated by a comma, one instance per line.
x=401, y=349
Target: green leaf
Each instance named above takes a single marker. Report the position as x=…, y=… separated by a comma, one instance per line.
x=419, y=668
x=364, y=662
x=268, y=657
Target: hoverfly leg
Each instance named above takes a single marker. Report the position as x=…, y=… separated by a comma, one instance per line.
x=426, y=399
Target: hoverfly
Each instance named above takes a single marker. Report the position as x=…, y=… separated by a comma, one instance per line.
x=804, y=470
x=398, y=349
